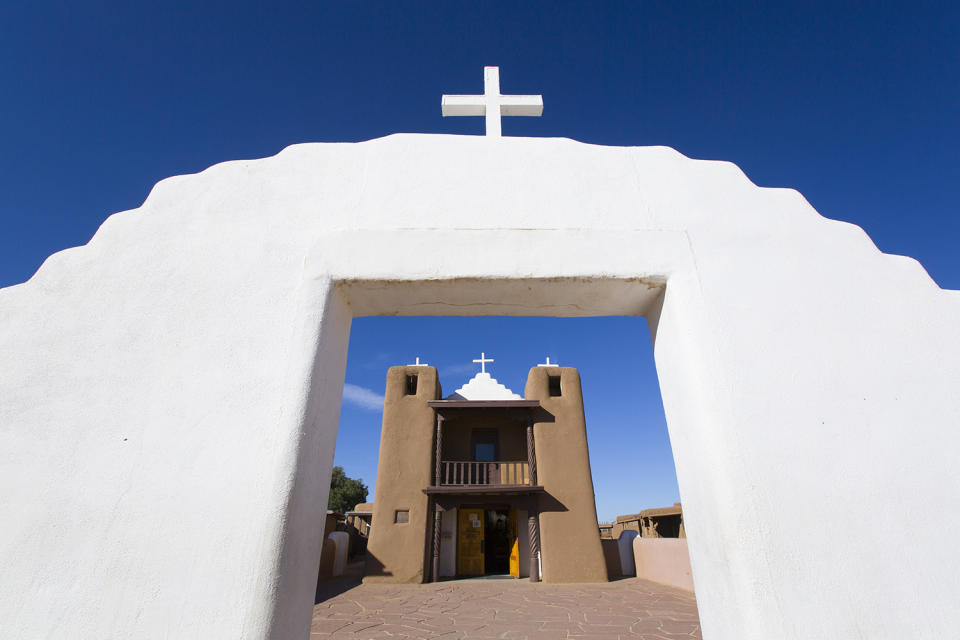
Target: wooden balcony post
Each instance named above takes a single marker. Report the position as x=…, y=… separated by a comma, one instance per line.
x=533, y=530
x=531, y=458
x=437, y=520
x=436, y=469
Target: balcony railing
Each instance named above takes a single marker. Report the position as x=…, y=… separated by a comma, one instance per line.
x=484, y=473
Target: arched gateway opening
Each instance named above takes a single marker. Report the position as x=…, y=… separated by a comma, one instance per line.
x=599, y=438
x=346, y=299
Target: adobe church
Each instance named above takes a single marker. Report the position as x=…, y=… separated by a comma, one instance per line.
x=484, y=481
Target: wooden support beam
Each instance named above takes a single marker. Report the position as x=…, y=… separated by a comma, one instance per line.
x=437, y=520
x=438, y=451
x=531, y=458
x=534, y=530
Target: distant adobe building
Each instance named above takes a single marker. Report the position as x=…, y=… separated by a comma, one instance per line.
x=484, y=481
x=662, y=522
x=359, y=519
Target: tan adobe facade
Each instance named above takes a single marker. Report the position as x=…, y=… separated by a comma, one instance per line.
x=483, y=484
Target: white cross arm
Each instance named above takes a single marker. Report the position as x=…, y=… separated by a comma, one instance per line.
x=462, y=106
x=522, y=106
x=453, y=105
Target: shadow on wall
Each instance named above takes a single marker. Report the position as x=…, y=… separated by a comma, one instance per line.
x=328, y=587
x=374, y=566
x=548, y=503
x=611, y=558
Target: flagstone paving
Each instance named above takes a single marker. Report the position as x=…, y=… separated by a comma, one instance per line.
x=510, y=609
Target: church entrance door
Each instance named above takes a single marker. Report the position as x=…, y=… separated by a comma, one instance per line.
x=470, y=542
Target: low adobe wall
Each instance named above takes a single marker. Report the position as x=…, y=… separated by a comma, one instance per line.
x=664, y=560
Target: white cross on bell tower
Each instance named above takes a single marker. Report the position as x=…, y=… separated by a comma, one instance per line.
x=483, y=362
x=491, y=104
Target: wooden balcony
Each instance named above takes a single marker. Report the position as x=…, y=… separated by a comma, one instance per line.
x=493, y=474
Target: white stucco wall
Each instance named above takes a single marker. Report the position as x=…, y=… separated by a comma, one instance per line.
x=448, y=544
x=523, y=543
x=169, y=393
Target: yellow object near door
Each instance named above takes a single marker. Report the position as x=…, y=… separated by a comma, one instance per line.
x=470, y=542
x=514, y=546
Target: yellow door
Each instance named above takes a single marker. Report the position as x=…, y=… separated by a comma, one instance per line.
x=470, y=542
x=514, y=545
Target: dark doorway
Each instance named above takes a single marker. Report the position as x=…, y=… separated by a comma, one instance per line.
x=497, y=541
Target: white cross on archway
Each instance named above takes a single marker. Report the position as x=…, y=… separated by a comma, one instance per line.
x=418, y=363
x=548, y=364
x=483, y=362
x=491, y=104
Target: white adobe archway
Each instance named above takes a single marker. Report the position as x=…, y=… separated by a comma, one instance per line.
x=171, y=390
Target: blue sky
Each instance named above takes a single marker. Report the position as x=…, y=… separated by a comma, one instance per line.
x=856, y=105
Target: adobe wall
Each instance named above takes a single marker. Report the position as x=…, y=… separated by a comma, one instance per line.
x=396, y=551
x=570, y=548
x=169, y=395
x=663, y=560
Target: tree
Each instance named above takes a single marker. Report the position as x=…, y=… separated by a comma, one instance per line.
x=345, y=493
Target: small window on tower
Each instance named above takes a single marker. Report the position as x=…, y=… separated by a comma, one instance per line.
x=411, y=385
x=554, y=385
x=401, y=516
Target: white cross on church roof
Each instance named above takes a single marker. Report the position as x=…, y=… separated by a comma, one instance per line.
x=491, y=104
x=483, y=362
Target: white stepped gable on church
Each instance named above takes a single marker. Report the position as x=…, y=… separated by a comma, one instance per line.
x=483, y=387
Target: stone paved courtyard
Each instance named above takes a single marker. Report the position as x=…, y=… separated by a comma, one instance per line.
x=505, y=608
